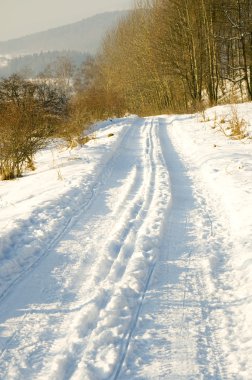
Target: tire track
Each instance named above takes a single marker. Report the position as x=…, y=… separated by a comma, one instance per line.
x=129, y=222
x=175, y=338
x=120, y=258
x=153, y=157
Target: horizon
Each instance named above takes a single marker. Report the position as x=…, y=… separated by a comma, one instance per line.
x=42, y=17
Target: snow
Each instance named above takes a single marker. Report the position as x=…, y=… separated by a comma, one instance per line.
x=130, y=257
x=4, y=60
x=37, y=208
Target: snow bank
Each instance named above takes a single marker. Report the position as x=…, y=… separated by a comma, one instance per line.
x=221, y=169
x=225, y=166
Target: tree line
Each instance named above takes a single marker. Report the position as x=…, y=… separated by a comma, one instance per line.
x=32, y=65
x=173, y=55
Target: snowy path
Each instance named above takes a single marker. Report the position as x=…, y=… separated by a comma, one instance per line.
x=127, y=289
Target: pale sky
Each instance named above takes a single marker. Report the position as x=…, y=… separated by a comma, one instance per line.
x=22, y=17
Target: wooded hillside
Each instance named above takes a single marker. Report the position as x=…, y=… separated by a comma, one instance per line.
x=174, y=56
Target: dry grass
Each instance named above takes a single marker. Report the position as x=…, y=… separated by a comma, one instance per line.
x=85, y=139
x=234, y=128
x=237, y=126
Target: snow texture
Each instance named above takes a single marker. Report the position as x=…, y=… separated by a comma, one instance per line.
x=130, y=257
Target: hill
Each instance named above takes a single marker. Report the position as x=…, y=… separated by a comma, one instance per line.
x=83, y=36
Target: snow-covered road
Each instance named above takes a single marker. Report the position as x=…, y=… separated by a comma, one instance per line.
x=133, y=285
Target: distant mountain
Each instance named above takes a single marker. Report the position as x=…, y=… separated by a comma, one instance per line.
x=82, y=36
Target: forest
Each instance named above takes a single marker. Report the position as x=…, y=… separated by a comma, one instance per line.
x=168, y=56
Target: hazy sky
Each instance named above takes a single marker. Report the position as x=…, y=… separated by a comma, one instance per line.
x=22, y=17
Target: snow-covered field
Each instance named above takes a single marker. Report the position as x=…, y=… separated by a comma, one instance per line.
x=131, y=257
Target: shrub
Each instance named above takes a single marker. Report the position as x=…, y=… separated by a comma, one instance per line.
x=29, y=114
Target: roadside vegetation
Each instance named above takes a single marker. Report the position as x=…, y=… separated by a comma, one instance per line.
x=163, y=57
x=30, y=114
x=176, y=56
